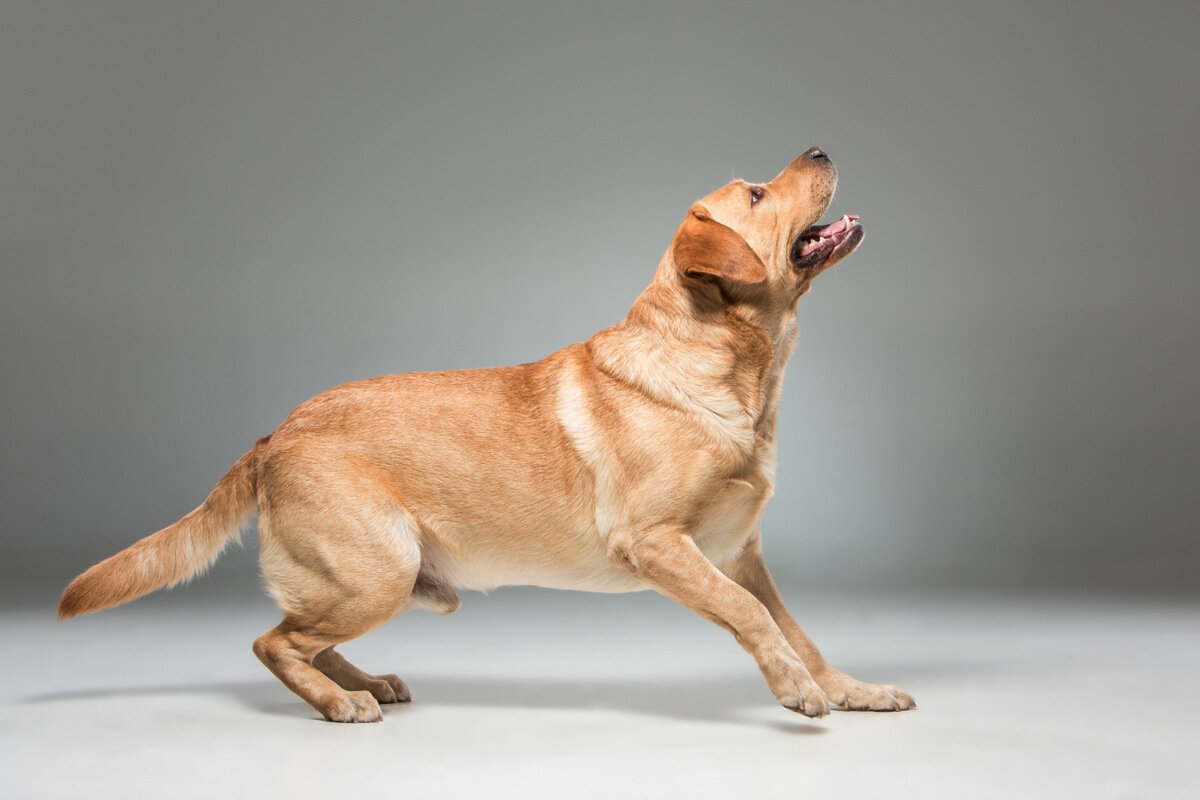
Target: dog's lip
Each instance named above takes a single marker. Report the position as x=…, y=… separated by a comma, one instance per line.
x=820, y=243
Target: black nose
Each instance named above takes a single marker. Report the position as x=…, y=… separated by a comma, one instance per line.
x=816, y=153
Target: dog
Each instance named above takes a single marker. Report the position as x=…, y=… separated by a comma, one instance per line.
x=640, y=459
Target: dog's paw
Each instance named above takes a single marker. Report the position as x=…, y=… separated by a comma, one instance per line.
x=354, y=707
x=389, y=689
x=811, y=702
x=849, y=694
x=796, y=689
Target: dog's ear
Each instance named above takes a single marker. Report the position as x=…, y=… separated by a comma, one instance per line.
x=704, y=246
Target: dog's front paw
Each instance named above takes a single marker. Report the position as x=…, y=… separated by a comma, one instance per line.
x=795, y=688
x=809, y=701
x=853, y=695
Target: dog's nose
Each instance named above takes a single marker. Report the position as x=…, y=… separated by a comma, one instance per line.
x=816, y=154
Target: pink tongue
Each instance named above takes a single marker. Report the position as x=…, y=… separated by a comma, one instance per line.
x=823, y=233
x=837, y=227
x=813, y=240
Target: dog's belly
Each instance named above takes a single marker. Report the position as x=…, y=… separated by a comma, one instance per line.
x=591, y=572
x=578, y=560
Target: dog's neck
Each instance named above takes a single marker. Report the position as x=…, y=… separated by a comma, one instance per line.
x=691, y=346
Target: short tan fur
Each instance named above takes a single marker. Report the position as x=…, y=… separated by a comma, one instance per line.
x=640, y=459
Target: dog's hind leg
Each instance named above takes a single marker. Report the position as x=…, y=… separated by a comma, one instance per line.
x=384, y=688
x=288, y=650
x=336, y=573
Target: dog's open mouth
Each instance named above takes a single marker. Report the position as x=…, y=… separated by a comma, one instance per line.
x=822, y=245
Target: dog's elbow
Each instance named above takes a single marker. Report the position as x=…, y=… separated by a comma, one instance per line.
x=620, y=553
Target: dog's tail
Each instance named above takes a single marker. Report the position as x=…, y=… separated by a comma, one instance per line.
x=174, y=554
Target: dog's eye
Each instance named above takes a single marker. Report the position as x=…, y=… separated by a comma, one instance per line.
x=756, y=194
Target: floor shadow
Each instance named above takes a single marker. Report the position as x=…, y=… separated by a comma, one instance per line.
x=718, y=699
x=724, y=699
x=264, y=696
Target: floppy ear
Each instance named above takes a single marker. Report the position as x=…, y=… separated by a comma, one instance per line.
x=704, y=246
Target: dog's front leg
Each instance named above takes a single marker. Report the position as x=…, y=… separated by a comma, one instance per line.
x=667, y=559
x=750, y=571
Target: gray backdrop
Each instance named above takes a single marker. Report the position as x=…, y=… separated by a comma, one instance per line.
x=212, y=211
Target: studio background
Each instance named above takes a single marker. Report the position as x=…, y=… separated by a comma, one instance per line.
x=990, y=432
x=213, y=211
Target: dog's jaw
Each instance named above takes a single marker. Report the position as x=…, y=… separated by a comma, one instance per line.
x=821, y=246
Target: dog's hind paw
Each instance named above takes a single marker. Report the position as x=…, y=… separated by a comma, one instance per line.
x=354, y=707
x=389, y=689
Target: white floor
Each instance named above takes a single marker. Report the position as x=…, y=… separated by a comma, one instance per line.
x=545, y=694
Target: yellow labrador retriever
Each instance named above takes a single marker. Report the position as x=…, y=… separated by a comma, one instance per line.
x=642, y=458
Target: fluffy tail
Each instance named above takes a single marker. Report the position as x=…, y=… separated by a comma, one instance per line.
x=174, y=554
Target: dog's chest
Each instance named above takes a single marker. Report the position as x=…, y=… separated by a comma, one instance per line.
x=732, y=516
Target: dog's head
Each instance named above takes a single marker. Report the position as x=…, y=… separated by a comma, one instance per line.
x=760, y=241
